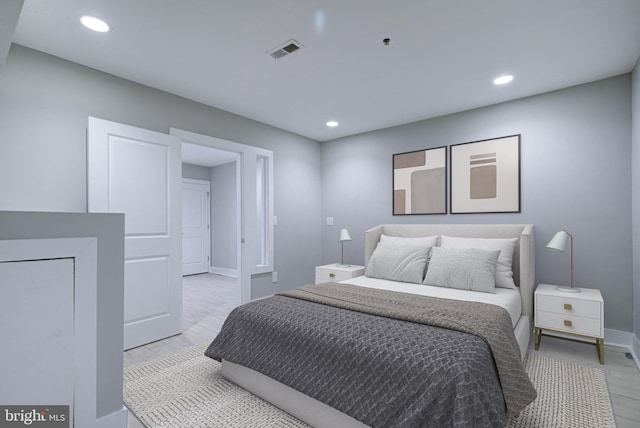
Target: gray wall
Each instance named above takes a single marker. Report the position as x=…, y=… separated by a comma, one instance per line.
x=635, y=106
x=576, y=167
x=109, y=229
x=44, y=104
x=575, y=175
x=224, y=217
x=196, y=172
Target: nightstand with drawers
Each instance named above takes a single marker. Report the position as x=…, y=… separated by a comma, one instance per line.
x=336, y=273
x=577, y=314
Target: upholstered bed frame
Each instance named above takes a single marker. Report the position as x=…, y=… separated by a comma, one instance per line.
x=319, y=414
x=523, y=257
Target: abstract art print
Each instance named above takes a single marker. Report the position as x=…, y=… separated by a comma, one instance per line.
x=485, y=176
x=420, y=182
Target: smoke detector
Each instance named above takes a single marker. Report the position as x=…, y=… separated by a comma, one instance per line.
x=285, y=49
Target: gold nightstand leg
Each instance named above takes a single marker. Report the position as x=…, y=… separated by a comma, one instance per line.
x=538, y=335
x=600, y=346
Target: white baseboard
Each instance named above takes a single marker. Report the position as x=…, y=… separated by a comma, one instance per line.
x=624, y=339
x=224, y=271
x=617, y=338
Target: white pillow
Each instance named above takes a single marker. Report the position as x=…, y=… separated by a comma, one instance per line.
x=504, y=267
x=426, y=241
x=398, y=263
x=464, y=268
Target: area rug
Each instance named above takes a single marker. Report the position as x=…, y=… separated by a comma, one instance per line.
x=185, y=389
x=569, y=395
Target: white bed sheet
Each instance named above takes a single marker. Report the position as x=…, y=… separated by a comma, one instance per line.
x=506, y=298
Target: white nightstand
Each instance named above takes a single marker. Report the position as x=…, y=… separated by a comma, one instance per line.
x=335, y=273
x=579, y=314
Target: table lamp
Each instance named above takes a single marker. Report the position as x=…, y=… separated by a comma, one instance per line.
x=559, y=243
x=344, y=237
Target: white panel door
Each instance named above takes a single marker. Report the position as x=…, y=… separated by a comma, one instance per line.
x=195, y=227
x=138, y=172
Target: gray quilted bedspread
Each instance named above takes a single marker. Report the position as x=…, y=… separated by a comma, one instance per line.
x=369, y=354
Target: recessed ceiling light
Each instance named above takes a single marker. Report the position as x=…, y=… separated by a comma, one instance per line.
x=95, y=24
x=503, y=80
x=332, y=123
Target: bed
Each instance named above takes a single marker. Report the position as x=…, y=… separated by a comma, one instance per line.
x=351, y=354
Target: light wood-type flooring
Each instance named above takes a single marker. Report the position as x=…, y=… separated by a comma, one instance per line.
x=208, y=299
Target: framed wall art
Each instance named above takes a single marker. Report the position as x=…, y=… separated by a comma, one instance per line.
x=420, y=182
x=485, y=176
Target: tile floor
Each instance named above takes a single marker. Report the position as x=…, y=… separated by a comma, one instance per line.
x=209, y=298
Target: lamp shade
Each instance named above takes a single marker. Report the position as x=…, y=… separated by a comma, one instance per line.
x=559, y=241
x=344, y=235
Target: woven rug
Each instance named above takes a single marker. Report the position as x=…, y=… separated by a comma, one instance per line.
x=185, y=389
x=569, y=395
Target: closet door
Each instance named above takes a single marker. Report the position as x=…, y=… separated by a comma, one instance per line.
x=37, y=332
x=138, y=172
x=48, y=306
x=196, y=230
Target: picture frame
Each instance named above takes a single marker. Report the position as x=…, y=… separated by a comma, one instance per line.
x=485, y=176
x=420, y=182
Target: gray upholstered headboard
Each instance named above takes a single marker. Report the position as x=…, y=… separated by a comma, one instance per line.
x=523, y=258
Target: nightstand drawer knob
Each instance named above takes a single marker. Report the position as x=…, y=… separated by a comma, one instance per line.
x=332, y=275
x=567, y=306
x=567, y=323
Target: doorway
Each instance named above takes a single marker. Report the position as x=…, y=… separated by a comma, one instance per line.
x=254, y=229
x=215, y=169
x=209, y=218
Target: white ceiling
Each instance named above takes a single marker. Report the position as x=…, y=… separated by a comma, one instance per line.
x=196, y=154
x=442, y=57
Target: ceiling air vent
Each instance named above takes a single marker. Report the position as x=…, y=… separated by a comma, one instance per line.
x=285, y=49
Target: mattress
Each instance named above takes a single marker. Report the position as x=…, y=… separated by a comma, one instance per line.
x=509, y=299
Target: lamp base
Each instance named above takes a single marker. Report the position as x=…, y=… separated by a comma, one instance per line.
x=342, y=265
x=567, y=289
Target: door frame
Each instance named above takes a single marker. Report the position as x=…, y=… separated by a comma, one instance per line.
x=207, y=218
x=244, y=291
x=246, y=228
